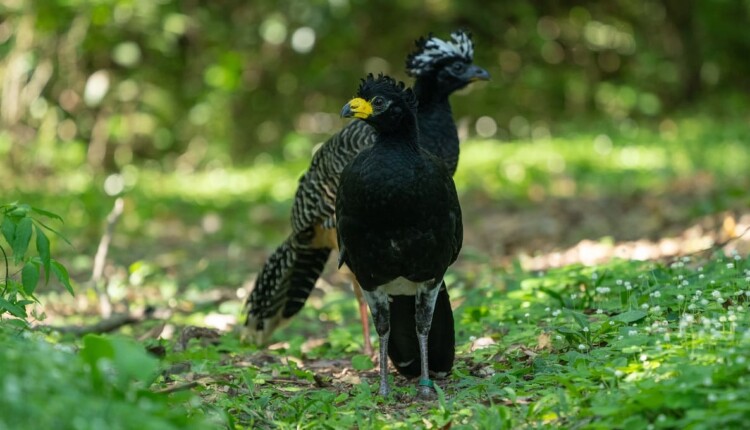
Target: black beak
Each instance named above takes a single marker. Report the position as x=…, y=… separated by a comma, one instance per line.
x=346, y=111
x=476, y=73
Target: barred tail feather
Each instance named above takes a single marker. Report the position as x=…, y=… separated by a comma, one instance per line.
x=281, y=289
x=403, y=346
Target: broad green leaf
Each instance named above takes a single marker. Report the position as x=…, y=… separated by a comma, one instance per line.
x=23, y=237
x=20, y=211
x=555, y=295
x=29, y=277
x=54, y=231
x=362, y=362
x=96, y=347
x=42, y=247
x=580, y=318
x=132, y=362
x=48, y=214
x=630, y=316
x=62, y=275
x=9, y=230
x=18, y=323
x=14, y=310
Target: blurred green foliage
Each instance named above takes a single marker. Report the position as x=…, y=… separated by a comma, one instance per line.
x=105, y=385
x=198, y=83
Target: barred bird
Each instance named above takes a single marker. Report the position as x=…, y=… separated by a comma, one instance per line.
x=440, y=67
x=398, y=220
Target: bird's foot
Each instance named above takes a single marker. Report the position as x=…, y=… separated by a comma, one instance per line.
x=426, y=390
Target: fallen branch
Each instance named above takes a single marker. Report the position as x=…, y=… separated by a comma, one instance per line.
x=104, y=326
x=177, y=387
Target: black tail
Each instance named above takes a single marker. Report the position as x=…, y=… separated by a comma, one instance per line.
x=403, y=346
x=283, y=285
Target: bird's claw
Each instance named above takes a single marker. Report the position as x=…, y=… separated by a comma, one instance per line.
x=426, y=390
x=426, y=393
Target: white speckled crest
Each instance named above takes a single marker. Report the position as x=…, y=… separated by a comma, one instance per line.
x=432, y=51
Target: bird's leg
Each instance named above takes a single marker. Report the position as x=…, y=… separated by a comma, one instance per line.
x=380, y=308
x=424, y=307
x=363, y=316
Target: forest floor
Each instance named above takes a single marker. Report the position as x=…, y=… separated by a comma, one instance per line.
x=602, y=284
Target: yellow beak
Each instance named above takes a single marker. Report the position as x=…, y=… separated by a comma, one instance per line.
x=358, y=108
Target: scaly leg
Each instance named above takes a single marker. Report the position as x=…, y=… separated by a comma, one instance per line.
x=363, y=316
x=380, y=308
x=427, y=294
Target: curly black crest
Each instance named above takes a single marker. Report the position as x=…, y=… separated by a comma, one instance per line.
x=388, y=87
x=431, y=52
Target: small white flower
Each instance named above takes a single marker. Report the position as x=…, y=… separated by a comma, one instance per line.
x=618, y=282
x=611, y=323
x=547, y=309
x=632, y=332
x=680, y=297
x=585, y=329
x=701, y=276
x=644, y=306
x=599, y=311
x=691, y=306
x=558, y=337
x=656, y=309
x=526, y=315
x=707, y=381
x=730, y=265
x=685, y=283
x=619, y=373
x=666, y=337
x=698, y=293
x=712, y=397
x=737, y=258
x=715, y=293
x=700, y=268
x=556, y=312
x=519, y=322
x=643, y=357
x=740, y=360
x=704, y=302
x=582, y=347
x=472, y=338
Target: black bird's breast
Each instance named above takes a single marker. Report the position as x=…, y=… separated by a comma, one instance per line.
x=398, y=216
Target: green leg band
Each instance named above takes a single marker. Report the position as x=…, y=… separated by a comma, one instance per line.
x=426, y=383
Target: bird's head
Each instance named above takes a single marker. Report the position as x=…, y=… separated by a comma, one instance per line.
x=448, y=63
x=382, y=102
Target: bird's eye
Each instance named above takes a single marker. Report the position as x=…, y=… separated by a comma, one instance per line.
x=378, y=102
x=458, y=67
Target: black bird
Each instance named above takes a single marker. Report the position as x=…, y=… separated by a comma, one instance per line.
x=398, y=217
x=440, y=67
